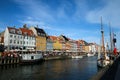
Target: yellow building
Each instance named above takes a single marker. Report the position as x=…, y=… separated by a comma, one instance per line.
x=57, y=45
x=86, y=48
x=40, y=38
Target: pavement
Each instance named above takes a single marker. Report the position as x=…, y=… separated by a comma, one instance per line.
x=109, y=72
x=113, y=73
x=117, y=76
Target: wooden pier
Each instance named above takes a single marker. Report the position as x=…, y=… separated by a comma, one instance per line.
x=9, y=60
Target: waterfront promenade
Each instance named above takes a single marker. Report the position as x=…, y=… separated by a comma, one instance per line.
x=110, y=72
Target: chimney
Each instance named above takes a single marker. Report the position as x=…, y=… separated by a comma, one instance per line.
x=25, y=26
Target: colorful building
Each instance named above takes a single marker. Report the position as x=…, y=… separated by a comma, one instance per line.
x=73, y=44
x=81, y=45
x=63, y=40
x=40, y=38
x=57, y=45
x=2, y=38
x=49, y=46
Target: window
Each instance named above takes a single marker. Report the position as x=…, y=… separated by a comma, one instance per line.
x=17, y=42
x=19, y=32
x=14, y=41
x=11, y=36
x=10, y=41
x=21, y=42
x=12, y=31
x=21, y=37
x=15, y=36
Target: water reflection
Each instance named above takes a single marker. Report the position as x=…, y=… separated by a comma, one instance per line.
x=70, y=69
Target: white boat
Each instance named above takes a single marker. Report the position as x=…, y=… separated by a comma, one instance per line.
x=77, y=56
x=103, y=59
x=90, y=54
x=31, y=57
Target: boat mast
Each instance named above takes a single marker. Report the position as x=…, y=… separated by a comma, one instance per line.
x=102, y=32
x=111, y=47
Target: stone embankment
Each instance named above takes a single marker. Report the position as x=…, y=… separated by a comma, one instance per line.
x=109, y=72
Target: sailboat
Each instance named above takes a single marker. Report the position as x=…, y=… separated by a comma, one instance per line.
x=103, y=59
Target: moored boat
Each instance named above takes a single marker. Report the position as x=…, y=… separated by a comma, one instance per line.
x=90, y=54
x=77, y=56
x=31, y=57
x=103, y=58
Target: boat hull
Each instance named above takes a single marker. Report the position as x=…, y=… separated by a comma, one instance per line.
x=90, y=55
x=31, y=58
x=77, y=57
x=103, y=63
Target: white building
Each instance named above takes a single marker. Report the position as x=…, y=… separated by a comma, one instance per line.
x=92, y=47
x=13, y=38
x=16, y=39
x=29, y=39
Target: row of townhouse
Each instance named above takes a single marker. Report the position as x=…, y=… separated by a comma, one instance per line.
x=35, y=38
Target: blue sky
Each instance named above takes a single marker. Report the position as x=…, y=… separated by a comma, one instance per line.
x=77, y=19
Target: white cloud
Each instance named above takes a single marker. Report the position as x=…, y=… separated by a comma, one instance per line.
x=36, y=9
x=110, y=12
x=29, y=21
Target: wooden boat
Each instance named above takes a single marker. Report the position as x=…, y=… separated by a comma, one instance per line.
x=103, y=59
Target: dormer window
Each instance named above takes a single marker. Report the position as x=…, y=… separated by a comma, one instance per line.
x=12, y=30
x=38, y=33
x=19, y=32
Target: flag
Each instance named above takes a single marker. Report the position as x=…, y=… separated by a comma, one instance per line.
x=115, y=51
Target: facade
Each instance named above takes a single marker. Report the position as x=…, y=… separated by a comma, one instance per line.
x=16, y=39
x=92, y=47
x=73, y=44
x=1, y=42
x=40, y=38
x=1, y=38
x=28, y=39
x=36, y=39
x=63, y=40
x=49, y=46
x=87, y=50
x=57, y=45
x=13, y=38
x=81, y=45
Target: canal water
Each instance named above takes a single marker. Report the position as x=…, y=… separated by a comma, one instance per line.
x=68, y=69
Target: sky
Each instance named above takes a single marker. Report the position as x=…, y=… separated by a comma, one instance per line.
x=76, y=19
